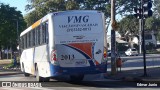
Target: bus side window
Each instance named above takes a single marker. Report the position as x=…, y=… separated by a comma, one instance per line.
x=21, y=43
x=33, y=37
x=46, y=32
x=43, y=29
x=25, y=41
x=36, y=36
x=28, y=40
x=41, y=35
x=29, y=37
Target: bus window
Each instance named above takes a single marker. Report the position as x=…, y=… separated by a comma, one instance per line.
x=37, y=37
x=33, y=37
x=25, y=37
x=41, y=35
x=29, y=41
x=45, y=32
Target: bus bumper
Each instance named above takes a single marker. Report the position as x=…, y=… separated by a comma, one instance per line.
x=57, y=70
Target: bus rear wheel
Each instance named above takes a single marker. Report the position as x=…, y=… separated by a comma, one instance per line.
x=39, y=78
x=77, y=77
x=26, y=74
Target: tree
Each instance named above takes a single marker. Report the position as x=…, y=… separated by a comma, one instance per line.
x=128, y=24
x=42, y=7
x=153, y=23
x=31, y=17
x=123, y=7
x=156, y=8
x=8, y=26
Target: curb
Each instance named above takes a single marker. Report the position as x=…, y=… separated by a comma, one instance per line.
x=13, y=73
x=128, y=78
x=132, y=79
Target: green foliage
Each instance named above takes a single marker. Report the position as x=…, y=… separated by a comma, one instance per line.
x=156, y=8
x=152, y=23
x=31, y=18
x=11, y=65
x=8, y=25
x=129, y=23
x=152, y=51
x=39, y=8
x=72, y=5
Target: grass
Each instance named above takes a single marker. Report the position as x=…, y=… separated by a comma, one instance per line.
x=11, y=64
x=152, y=52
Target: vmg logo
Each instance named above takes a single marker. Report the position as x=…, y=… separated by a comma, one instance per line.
x=78, y=19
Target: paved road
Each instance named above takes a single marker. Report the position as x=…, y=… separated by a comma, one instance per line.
x=95, y=81
x=136, y=62
x=20, y=77
x=93, y=84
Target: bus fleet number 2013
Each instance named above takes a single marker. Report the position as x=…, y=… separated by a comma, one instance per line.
x=67, y=57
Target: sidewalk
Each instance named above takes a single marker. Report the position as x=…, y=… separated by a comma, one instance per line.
x=133, y=70
x=136, y=75
x=9, y=71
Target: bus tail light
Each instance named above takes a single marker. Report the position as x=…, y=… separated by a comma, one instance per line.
x=53, y=56
x=104, y=57
x=105, y=54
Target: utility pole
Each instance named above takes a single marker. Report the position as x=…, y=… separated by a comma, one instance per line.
x=140, y=37
x=113, y=39
x=143, y=39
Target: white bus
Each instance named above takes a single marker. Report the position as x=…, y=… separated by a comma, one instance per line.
x=64, y=43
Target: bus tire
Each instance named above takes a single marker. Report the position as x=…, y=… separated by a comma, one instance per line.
x=39, y=78
x=25, y=74
x=77, y=77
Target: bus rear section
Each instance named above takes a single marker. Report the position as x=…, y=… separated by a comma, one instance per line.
x=79, y=46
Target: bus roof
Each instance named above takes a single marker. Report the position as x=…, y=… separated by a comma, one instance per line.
x=55, y=13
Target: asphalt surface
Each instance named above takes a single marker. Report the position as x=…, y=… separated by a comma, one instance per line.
x=135, y=75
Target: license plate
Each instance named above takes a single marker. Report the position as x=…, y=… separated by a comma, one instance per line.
x=81, y=62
